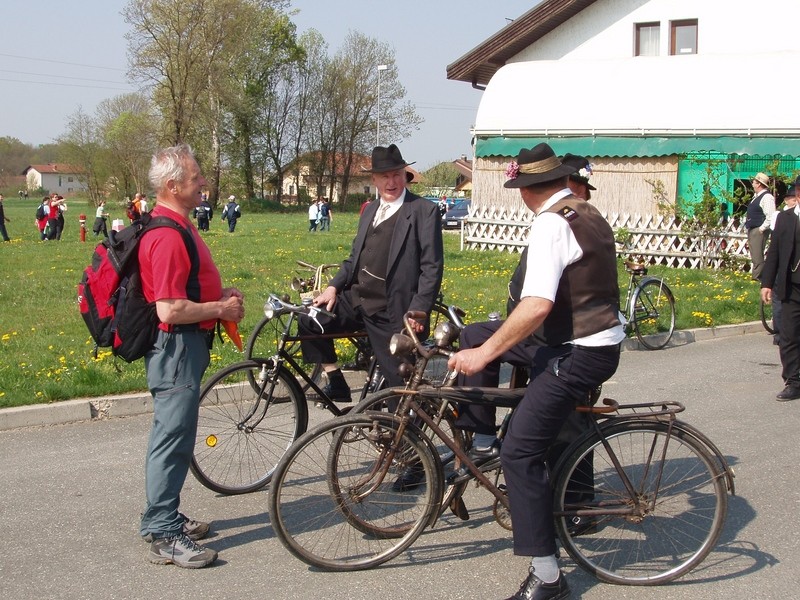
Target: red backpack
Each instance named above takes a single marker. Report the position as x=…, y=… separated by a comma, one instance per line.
x=110, y=296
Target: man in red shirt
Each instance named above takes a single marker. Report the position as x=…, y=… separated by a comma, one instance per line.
x=176, y=363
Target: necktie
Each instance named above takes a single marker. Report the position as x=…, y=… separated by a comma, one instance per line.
x=381, y=216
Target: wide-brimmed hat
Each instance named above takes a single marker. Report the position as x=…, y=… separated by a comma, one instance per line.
x=583, y=170
x=762, y=178
x=537, y=165
x=386, y=159
x=791, y=192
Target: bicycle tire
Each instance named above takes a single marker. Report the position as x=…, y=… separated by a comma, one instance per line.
x=674, y=535
x=383, y=400
x=240, y=435
x=765, y=312
x=653, y=313
x=310, y=506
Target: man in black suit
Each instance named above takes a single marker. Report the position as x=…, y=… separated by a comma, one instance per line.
x=395, y=266
x=781, y=277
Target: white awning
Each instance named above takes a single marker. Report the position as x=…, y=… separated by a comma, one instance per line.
x=697, y=95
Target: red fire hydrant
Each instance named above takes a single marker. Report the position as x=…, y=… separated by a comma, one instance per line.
x=82, y=221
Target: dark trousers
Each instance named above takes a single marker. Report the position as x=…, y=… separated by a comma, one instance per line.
x=790, y=338
x=558, y=383
x=350, y=319
x=202, y=224
x=3, y=232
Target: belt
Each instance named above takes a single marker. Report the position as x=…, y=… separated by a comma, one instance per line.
x=189, y=328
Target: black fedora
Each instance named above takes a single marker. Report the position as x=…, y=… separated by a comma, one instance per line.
x=582, y=169
x=537, y=165
x=387, y=159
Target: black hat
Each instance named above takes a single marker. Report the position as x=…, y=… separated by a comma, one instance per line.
x=387, y=159
x=537, y=165
x=582, y=169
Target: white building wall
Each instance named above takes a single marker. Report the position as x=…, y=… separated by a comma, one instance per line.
x=606, y=29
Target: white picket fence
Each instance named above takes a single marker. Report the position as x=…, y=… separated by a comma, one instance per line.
x=653, y=239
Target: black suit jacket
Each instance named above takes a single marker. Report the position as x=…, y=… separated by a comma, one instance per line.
x=777, y=272
x=416, y=257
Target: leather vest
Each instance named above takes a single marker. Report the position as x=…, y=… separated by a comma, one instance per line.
x=369, y=289
x=587, y=299
x=755, y=216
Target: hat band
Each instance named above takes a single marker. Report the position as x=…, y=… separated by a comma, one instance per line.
x=542, y=166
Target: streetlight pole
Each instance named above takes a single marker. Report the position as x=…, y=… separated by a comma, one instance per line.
x=381, y=68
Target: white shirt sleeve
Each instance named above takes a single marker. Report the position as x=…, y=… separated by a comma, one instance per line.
x=551, y=248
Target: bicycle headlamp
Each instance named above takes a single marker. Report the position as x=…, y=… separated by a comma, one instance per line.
x=400, y=344
x=270, y=310
x=445, y=334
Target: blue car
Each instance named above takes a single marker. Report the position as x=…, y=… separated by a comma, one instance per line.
x=454, y=216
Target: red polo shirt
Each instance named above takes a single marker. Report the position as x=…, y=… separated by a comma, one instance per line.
x=164, y=264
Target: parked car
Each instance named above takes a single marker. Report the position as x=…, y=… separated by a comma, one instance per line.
x=454, y=216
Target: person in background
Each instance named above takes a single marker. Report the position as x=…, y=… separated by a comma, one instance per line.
x=181, y=354
x=42, y=217
x=790, y=201
x=3, y=220
x=52, y=216
x=395, y=265
x=578, y=182
x=141, y=201
x=101, y=220
x=324, y=210
x=204, y=213
x=232, y=212
x=567, y=321
x=781, y=279
x=60, y=220
x=757, y=220
x=313, y=215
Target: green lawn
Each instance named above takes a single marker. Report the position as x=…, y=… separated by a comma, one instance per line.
x=46, y=354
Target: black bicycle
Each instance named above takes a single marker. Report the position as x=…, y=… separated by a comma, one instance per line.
x=654, y=487
x=252, y=411
x=649, y=307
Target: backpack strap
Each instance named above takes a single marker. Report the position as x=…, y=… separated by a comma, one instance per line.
x=149, y=223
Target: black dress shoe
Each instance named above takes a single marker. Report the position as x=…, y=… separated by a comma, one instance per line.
x=790, y=392
x=486, y=459
x=534, y=588
x=409, y=479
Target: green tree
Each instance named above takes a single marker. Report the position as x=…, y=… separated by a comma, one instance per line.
x=82, y=146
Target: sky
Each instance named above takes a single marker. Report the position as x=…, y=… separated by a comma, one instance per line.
x=57, y=56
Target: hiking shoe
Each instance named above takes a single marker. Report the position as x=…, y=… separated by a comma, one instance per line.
x=196, y=530
x=180, y=550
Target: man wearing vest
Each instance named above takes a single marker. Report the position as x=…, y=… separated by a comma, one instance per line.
x=395, y=266
x=759, y=213
x=568, y=326
x=781, y=278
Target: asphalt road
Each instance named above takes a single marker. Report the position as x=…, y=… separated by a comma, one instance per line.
x=73, y=494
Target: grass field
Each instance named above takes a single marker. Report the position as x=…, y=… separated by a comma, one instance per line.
x=46, y=354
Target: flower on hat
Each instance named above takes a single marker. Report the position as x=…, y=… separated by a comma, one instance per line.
x=512, y=170
x=586, y=171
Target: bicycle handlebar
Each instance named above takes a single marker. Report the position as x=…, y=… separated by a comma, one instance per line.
x=278, y=306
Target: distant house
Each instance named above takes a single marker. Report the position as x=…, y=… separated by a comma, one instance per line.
x=464, y=179
x=313, y=180
x=663, y=97
x=54, y=177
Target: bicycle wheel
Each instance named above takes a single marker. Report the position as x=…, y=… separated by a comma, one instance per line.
x=388, y=400
x=765, y=310
x=653, y=314
x=684, y=496
x=332, y=500
x=242, y=433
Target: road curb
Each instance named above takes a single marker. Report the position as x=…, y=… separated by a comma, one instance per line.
x=126, y=405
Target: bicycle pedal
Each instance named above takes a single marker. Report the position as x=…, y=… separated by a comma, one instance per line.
x=459, y=509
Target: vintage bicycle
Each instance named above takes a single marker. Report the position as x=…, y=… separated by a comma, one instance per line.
x=649, y=307
x=654, y=487
x=252, y=411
